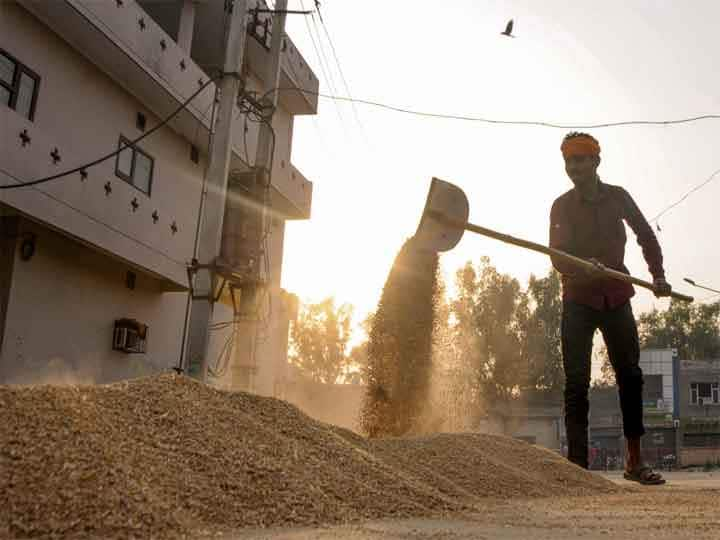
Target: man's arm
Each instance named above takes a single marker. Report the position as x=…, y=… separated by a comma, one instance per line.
x=645, y=236
x=561, y=237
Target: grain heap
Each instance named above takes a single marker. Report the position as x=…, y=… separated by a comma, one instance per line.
x=400, y=346
x=165, y=455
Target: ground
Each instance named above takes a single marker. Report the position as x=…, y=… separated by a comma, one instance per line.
x=685, y=508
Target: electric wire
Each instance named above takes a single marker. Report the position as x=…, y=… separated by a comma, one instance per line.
x=123, y=146
x=319, y=48
x=199, y=122
x=340, y=70
x=222, y=362
x=262, y=335
x=245, y=146
x=484, y=120
x=322, y=64
x=331, y=81
x=380, y=105
x=686, y=195
x=266, y=225
x=100, y=222
x=196, y=240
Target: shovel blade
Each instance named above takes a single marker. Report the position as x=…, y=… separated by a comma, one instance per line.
x=449, y=200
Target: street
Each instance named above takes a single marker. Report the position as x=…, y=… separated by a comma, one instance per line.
x=685, y=508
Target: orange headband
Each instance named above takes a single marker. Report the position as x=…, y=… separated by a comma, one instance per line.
x=580, y=146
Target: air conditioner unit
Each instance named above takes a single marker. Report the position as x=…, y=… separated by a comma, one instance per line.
x=129, y=336
x=701, y=401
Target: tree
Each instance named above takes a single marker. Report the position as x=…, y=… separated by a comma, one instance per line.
x=492, y=313
x=607, y=373
x=543, y=334
x=357, y=364
x=319, y=340
x=692, y=329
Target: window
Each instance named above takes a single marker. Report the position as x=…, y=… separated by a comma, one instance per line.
x=706, y=392
x=18, y=86
x=134, y=166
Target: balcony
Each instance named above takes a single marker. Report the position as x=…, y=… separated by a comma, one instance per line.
x=295, y=71
x=293, y=195
x=130, y=47
x=139, y=51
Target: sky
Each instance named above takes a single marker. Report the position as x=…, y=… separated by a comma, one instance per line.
x=572, y=62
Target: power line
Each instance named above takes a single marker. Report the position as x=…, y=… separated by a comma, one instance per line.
x=100, y=222
x=320, y=57
x=681, y=199
x=123, y=146
x=322, y=52
x=480, y=119
x=337, y=62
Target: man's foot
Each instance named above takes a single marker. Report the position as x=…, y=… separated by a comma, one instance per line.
x=644, y=475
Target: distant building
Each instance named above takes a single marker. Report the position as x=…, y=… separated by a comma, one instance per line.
x=534, y=420
x=681, y=411
x=698, y=386
x=94, y=266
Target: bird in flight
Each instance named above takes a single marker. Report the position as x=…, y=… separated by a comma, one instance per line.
x=508, y=29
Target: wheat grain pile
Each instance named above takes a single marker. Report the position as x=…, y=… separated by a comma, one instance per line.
x=166, y=456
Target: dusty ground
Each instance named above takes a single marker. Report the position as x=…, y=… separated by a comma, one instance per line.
x=685, y=508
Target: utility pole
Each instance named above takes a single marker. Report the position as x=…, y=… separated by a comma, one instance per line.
x=212, y=209
x=249, y=300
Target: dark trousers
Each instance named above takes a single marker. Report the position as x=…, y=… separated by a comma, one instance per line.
x=619, y=331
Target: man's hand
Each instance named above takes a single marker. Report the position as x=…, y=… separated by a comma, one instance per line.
x=596, y=270
x=662, y=287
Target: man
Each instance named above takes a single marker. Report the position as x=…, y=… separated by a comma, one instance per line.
x=587, y=221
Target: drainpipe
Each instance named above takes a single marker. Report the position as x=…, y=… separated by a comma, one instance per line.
x=187, y=24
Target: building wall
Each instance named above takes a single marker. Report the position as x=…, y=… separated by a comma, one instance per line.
x=544, y=431
x=8, y=243
x=83, y=128
x=62, y=306
x=337, y=404
x=538, y=425
x=699, y=456
x=659, y=362
x=88, y=215
x=702, y=371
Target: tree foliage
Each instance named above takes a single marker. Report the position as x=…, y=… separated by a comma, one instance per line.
x=319, y=340
x=607, y=373
x=492, y=343
x=492, y=314
x=543, y=335
x=692, y=329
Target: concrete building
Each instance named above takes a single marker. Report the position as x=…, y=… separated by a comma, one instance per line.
x=94, y=265
x=699, y=418
x=536, y=423
x=681, y=405
x=607, y=442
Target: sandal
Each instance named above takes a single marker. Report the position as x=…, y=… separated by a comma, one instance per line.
x=645, y=476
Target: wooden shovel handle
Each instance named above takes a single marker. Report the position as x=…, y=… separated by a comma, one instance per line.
x=577, y=261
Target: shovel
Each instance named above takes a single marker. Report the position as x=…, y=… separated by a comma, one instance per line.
x=444, y=221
